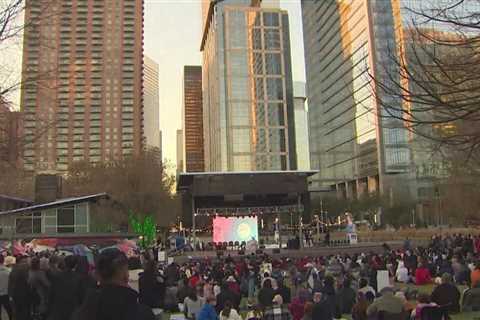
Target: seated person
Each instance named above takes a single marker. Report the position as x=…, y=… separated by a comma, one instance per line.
x=471, y=299
x=447, y=294
x=388, y=303
x=423, y=300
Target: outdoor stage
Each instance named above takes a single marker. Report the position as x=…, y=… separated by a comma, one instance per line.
x=304, y=252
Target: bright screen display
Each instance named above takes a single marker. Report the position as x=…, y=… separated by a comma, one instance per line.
x=235, y=229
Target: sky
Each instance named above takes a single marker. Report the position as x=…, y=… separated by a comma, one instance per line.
x=172, y=39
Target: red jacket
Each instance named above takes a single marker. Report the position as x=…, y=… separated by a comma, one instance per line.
x=297, y=309
x=422, y=276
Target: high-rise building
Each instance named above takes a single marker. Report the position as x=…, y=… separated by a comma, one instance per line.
x=354, y=143
x=82, y=81
x=301, y=125
x=180, y=151
x=10, y=136
x=192, y=119
x=247, y=88
x=151, y=104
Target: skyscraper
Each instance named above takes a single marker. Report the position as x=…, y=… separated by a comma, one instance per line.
x=192, y=119
x=354, y=143
x=151, y=104
x=247, y=88
x=179, y=152
x=82, y=81
x=301, y=125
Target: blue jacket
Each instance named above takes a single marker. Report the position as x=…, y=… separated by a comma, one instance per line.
x=207, y=313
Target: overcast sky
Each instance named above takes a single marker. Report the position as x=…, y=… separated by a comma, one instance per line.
x=172, y=39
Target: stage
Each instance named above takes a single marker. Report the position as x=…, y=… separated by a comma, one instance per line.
x=304, y=252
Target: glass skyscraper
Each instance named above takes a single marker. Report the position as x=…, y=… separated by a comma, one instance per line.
x=247, y=87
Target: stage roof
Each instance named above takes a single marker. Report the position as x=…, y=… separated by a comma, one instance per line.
x=185, y=180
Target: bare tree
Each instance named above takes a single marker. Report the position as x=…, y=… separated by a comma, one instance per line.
x=438, y=77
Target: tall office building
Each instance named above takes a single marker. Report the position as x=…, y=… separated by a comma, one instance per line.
x=247, y=87
x=192, y=119
x=82, y=81
x=354, y=143
x=301, y=125
x=180, y=168
x=151, y=104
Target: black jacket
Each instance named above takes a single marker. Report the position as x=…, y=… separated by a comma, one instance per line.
x=66, y=295
x=447, y=294
x=224, y=296
x=322, y=310
x=113, y=303
x=152, y=289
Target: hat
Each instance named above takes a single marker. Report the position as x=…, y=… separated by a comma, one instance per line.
x=278, y=299
x=9, y=261
x=231, y=279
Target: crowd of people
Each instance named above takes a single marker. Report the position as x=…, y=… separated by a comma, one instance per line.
x=48, y=286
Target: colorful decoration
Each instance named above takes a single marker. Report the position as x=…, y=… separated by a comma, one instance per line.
x=146, y=229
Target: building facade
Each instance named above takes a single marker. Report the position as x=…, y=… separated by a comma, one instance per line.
x=11, y=124
x=151, y=103
x=301, y=125
x=192, y=119
x=247, y=88
x=82, y=81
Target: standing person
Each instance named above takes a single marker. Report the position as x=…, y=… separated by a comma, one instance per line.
x=266, y=294
x=297, y=307
x=114, y=300
x=308, y=311
x=226, y=295
x=422, y=274
x=359, y=310
x=4, y=298
x=19, y=290
x=228, y=313
x=66, y=291
x=192, y=305
x=208, y=310
x=278, y=311
x=151, y=286
x=284, y=291
x=37, y=279
x=321, y=308
x=475, y=275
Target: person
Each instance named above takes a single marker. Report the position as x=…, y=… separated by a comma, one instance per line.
x=38, y=282
x=19, y=289
x=345, y=297
x=308, y=311
x=266, y=294
x=226, y=295
x=284, y=291
x=151, y=286
x=422, y=274
x=321, y=307
x=192, y=305
x=471, y=299
x=66, y=293
x=297, y=307
x=423, y=300
x=359, y=310
x=277, y=311
x=447, y=294
x=228, y=313
x=255, y=312
x=475, y=275
x=364, y=287
x=402, y=273
x=4, y=298
x=114, y=299
x=386, y=303
x=208, y=310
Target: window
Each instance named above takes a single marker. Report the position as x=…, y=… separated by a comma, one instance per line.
x=275, y=88
x=66, y=220
x=29, y=223
x=270, y=19
x=272, y=39
x=273, y=63
x=276, y=115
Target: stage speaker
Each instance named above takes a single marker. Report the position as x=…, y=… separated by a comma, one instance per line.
x=276, y=250
x=219, y=254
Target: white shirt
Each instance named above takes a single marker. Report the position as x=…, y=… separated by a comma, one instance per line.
x=402, y=274
x=233, y=315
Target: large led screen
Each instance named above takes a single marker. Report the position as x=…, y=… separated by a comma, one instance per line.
x=235, y=229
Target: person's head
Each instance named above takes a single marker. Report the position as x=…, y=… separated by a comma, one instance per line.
x=112, y=267
x=329, y=281
x=71, y=262
x=267, y=284
x=401, y=295
x=227, y=309
x=317, y=297
x=308, y=308
x=477, y=265
x=423, y=298
x=277, y=300
x=9, y=261
x=303, y=295
x=35, y=264
x=149, y=266
x=447, y=278
x=363, y=283
x=386, y=291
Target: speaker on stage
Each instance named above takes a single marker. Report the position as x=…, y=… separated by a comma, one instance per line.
x=276, y=250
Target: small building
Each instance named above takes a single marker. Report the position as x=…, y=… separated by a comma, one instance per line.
x=63, y=217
